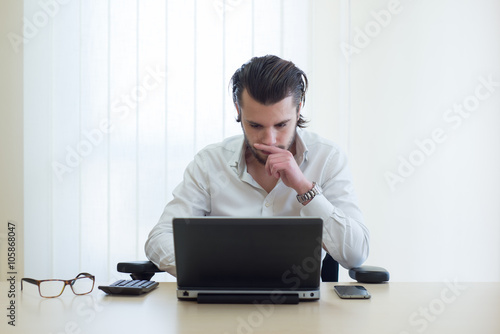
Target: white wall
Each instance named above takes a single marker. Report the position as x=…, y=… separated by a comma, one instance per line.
x=440, y=218
x=443, y=221
x=11, y=142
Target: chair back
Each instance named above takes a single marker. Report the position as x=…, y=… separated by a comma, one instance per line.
x=329, y=269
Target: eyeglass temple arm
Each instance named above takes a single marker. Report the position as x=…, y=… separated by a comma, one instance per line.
x=84, y=275
x=29, y=280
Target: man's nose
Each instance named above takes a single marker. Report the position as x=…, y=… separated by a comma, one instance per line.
x=269, y=137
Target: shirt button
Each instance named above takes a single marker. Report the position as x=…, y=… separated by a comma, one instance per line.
x=268, y=204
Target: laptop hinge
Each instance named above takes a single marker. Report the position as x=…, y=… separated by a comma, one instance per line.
x=265, y=298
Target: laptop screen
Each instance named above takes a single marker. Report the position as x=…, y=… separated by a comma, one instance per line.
x=248, y=253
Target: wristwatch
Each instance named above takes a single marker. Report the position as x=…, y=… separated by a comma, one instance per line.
x=315, y=190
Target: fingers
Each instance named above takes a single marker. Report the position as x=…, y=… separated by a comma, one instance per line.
x=276, y=156
x=270, y=149
x=282, y=165
x=277, y=163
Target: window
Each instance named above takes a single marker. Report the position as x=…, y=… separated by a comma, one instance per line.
x=119, y=96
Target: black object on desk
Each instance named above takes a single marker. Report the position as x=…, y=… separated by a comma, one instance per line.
x=129, y=287
x=369, y=274
x=141, y=273
x=139, y=270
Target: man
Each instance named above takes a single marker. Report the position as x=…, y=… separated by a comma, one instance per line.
x=274, y=169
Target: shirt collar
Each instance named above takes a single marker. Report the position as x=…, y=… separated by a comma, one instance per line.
x=237, y=160
x=300, y=147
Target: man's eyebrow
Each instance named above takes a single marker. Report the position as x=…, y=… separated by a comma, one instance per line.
x=281, y=122
x=284, y=121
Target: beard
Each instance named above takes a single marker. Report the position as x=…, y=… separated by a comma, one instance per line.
x=262, y=159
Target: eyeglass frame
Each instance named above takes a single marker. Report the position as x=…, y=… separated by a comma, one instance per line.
x=69, y=282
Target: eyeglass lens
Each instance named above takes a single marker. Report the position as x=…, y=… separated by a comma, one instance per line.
x=51, y=288
x=82, y=285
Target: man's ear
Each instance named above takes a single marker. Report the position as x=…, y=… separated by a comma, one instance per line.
x=299, y=109
x=238, y=112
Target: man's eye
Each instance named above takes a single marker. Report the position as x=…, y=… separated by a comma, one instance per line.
x=255, y=126
x=281, y=125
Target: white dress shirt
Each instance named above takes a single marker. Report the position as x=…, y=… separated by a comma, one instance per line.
x=216, y=183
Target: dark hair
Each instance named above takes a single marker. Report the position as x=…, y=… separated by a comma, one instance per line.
x=268, y=80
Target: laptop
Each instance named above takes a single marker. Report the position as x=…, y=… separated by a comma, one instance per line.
x=248, y=260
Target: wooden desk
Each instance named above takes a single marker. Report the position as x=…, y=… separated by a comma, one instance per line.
x=394, y=308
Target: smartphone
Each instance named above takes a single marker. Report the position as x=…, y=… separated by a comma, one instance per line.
x=352, y=292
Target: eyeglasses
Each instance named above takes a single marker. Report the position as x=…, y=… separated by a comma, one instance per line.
x=82, y=284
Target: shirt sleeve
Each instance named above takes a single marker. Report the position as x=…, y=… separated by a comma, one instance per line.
x=345, y=237
x=191, y=198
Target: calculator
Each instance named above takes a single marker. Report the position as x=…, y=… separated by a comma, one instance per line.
x=129, y=287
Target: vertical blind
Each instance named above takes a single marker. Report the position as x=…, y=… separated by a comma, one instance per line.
x=119, y=96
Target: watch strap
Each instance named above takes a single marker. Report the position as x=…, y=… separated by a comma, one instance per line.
x=309, y=195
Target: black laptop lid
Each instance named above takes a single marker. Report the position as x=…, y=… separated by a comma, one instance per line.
x=248, y=253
